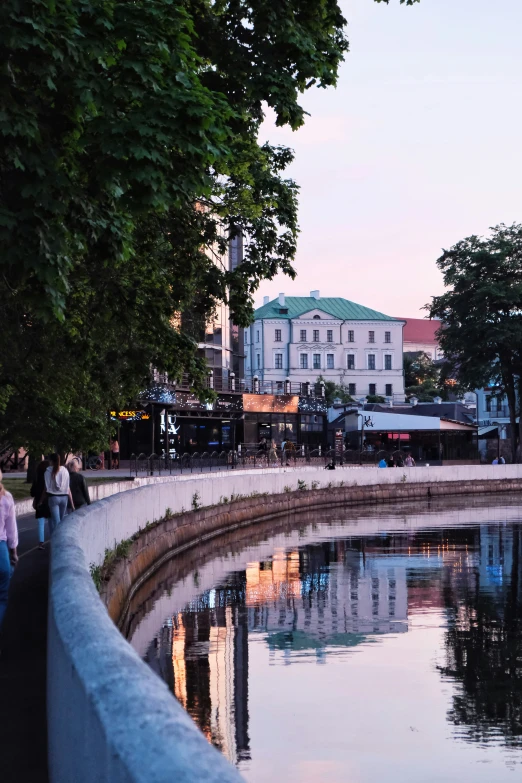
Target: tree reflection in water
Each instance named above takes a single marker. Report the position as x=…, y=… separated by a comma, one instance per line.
x=484, y=640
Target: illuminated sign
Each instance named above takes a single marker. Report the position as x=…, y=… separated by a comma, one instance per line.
x=130, y=415
x=271, y=403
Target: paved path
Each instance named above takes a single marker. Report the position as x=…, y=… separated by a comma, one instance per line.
x=23, y=731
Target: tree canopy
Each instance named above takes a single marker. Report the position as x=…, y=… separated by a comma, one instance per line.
x=129, y=157
x=481, y=313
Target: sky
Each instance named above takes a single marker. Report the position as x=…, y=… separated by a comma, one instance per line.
x=419, y=146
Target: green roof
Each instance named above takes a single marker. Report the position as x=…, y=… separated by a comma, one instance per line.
x=334, y=306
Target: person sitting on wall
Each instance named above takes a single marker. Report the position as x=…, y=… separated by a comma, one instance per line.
x=382, y=463
x=330, y=466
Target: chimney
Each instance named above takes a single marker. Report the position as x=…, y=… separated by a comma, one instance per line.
x=315, y=294
x=266, y=300
x=281, y=300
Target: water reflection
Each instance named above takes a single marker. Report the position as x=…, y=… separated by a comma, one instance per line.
x=418, y=634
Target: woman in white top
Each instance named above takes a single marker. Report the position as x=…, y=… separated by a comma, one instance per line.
x=57, y=491
x=8, y=544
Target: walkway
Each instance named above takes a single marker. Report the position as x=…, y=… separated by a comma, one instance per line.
x=23, y=723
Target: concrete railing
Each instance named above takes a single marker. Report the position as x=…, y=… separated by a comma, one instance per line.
x=110, y=718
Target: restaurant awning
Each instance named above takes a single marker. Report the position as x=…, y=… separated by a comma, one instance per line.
x=485, y=430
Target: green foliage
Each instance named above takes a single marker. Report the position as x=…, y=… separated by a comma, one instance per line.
x=482, y=313
x=314, y=485
x=301, y=484
x=375, y=398
x=423, y=378
x=333, y=391
x=195, y=503
x=129, y=157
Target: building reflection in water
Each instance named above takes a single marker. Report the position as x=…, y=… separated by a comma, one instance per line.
x=329, y=598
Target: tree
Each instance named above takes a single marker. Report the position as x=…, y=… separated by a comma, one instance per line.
x=334, y=391
x=422, y=377
x=129, y=157
x=482, y=314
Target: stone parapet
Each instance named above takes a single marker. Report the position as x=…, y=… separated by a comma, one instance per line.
x=110, y=718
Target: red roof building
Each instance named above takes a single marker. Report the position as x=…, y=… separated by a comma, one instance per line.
x=419, y=334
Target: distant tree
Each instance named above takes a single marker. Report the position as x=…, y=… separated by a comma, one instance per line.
x=334, y=391
x=422, y=377
x=481, y=314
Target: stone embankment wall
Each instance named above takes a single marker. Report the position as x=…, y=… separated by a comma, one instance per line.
x=110, y=718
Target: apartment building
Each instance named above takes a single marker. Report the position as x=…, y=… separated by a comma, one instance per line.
x=304, y=337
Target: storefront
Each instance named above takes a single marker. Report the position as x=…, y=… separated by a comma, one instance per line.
x=426, y=438
x=177, y=422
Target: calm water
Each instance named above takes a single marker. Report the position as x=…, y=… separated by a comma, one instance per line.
x=351, y=647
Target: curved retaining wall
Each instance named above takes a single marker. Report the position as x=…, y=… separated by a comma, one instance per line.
x=110, y=718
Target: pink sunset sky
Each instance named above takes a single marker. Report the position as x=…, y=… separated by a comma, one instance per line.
x=419, y=146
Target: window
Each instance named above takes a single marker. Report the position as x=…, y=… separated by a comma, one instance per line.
x=316, y=335
x=351, y=336
x=277, y=337
x=372, y=389
x=278, y=364
x=329, y=336
x=317, y=361
x=371, y=361
x=257, y=336
x=350, y=361
x=387, y=361
x=352, y=390
x=329, y=361
x=389, y=390
x=303, y=361
x=303, y=335
x=317, y=317
x=371, y=337
x=258, y=359
x=387, y=337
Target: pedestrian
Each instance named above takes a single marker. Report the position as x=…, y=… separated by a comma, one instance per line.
x=409, y=462
x=272, y=454
x=115, y=453
x=391, y=463
x=502, y=461
x=78, y=485
x=57, y=490
x=41, y=510
x=495, y=461
x=8, y=544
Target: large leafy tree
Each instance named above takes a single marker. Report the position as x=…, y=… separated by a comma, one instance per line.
x=481, y=314
x=129, y=156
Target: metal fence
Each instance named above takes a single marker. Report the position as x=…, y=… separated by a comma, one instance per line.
x=245, y=458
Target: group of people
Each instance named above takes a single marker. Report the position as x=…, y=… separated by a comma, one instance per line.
x=398, y=462
x=56, y=490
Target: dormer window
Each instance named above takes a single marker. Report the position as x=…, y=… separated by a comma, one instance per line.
x=317, y=317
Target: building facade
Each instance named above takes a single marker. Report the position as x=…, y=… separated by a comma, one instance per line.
x=302, y=338
x=420, y=334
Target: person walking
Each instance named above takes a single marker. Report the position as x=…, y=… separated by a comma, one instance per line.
x=272, y=454
x=41, y=510
x=115, y=453
x=8, y=545
x=57, y=490
x=409, y=461
x=78, y=485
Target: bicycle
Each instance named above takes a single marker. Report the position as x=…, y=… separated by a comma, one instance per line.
x=94, y=462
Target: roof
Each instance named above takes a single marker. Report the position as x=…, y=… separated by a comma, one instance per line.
x=450, y=411
x=334, y=306
x=420, y=330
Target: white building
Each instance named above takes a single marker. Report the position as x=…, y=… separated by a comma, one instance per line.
x=303, y=337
